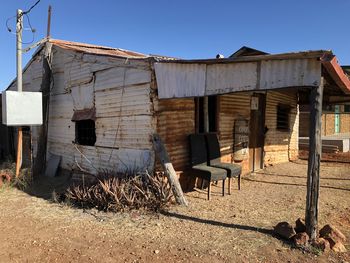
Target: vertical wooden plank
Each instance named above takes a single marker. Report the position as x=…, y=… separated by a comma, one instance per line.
x=206, y=114
x=313, y=173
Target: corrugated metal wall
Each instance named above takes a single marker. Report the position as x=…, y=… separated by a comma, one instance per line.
x=175, y=121
x=281, y=146
x=120, y=92
x=232, y=107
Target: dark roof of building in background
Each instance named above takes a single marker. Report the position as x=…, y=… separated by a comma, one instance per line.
x=346, y=69
x=247, y=51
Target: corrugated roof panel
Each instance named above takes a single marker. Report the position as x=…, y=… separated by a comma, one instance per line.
x=180, y=80
x=290, y=73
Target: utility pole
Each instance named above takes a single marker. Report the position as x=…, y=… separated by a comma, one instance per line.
x=48, y=31
x=19, y=28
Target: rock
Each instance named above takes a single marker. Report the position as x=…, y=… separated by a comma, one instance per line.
x=322, y=244
x=300, y=225
x=285, y=230
x=332, y=234
x=156, y=251
x=301, y=239
x=339, y=247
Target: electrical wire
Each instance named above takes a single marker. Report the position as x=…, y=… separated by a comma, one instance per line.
x=29, y=23
x=30, y=9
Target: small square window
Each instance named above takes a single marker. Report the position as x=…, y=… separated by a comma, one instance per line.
x=283, y=117
x=347, y=108
x=85, y=133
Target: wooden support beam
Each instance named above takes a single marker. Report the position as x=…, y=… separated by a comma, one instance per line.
x=19, y=151
x=39, y=162
x=313, y=173
x=206, y=114
x=169, y=170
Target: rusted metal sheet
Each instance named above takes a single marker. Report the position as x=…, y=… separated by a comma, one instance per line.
x=232, y=107
x=180, y=80
x=86, y=114
x=175, y=121
x=95, y=49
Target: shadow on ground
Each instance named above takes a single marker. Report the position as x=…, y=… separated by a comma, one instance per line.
x=46, y=187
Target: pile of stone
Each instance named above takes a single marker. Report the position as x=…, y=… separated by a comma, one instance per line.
x=329, y=236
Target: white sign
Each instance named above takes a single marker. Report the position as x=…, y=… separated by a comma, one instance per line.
x=22, y=108
x=254, y=104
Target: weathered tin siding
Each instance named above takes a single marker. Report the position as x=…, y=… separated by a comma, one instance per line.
x=232, y=107
x=119, y=89
x=175, y=121
x=281, y=146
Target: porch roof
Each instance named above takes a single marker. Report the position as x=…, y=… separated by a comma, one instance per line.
x=205, y=77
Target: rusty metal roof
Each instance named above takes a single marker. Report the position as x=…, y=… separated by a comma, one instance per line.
x=95, y=49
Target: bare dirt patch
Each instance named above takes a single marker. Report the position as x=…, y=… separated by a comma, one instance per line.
x=235, y=228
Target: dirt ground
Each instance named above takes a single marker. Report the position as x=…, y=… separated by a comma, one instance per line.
x=235, y=228
x=343, y=157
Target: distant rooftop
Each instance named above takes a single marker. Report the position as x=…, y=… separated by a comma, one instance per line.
x=247, y=51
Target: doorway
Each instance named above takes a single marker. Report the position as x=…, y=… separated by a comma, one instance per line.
x=257, y=133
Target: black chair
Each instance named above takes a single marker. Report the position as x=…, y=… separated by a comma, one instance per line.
x=214, y=160
x=199, y=163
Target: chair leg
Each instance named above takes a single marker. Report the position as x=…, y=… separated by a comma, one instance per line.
x=209, y=190
x=239, y=182
x=229, y=185
x=223, y=187
x=202, y=184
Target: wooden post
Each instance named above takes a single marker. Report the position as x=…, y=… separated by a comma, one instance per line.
x=19, y=151
x=206, y=114
x=40, y=158
x=315, y=151
x=169, y=170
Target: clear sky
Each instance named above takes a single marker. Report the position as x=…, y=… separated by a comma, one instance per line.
x=184, y=28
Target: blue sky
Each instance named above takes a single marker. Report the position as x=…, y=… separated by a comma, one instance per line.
x=184, y=28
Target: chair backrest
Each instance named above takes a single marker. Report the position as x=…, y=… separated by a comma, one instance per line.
x=198, y=149
x=213, y=148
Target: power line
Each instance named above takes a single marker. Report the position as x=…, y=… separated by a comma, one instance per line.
x=30, y=9
x=28, y=19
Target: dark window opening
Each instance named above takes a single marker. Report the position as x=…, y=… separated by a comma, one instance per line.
x=212, y=114
x=347, y=108
x=283, y=117
x=85, y=133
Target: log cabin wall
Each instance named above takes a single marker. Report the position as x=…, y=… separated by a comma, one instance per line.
x=281, y=145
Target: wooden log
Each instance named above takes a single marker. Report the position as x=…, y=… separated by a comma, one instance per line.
x=313, y=173
x=169, y=170
x=19, y=151
x=39, y=162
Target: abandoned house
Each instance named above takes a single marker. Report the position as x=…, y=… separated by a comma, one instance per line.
x=103, y=104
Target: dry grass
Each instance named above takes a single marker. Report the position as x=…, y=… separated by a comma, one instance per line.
x=120, y=192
